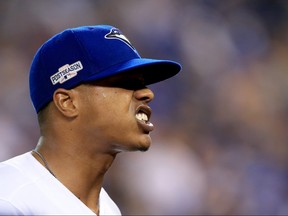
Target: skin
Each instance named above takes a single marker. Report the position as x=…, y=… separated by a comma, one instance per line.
x=83, y=129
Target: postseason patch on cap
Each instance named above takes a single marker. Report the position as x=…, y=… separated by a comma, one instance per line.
x=66, y=72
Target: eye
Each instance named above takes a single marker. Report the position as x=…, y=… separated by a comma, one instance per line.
x=131, y=84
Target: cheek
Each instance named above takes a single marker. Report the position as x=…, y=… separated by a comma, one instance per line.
x=114, y=100
x=107, y=106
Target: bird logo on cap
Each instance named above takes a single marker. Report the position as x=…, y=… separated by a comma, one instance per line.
x=117, y=34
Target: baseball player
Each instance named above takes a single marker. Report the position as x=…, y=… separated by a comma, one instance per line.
x=88, y=88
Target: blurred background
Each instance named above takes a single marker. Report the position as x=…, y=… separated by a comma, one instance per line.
x=220, y=144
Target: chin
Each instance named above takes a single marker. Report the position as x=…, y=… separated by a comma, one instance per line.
x=143, y=148
x=134, y=148
x=142, y=145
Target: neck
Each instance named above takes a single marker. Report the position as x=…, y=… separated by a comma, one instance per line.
x=81, y=172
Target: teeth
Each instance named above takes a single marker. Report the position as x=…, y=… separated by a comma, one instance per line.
x=142, y=116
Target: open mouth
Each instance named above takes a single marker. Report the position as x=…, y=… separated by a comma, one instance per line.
x=143, y=114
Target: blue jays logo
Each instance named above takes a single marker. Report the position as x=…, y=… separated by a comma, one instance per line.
x=117, y=34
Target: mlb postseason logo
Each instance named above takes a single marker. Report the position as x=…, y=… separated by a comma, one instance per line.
x=66, y=72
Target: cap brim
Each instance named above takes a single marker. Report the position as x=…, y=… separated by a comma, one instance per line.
x=152, y=70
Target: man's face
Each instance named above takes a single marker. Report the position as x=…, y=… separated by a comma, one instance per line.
x=114, y=113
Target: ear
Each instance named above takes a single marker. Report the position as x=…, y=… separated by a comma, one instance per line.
x=65, y=101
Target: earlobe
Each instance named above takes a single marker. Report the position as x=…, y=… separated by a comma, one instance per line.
x=64, y=101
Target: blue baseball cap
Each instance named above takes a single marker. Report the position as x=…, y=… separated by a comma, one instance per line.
x=89, y=53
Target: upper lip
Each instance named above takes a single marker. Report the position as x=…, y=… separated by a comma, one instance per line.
x=145, y=109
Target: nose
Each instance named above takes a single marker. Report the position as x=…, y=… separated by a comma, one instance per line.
x=144, y=94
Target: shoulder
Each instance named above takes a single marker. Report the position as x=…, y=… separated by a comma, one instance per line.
x=7, y=208
x=13, y=175
x=15, y=166
x=22, y=188
x=12, y=179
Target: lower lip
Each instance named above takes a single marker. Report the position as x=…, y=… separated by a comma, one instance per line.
x=147, y=127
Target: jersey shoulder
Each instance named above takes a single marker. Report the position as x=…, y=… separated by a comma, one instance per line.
x=13, y=176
